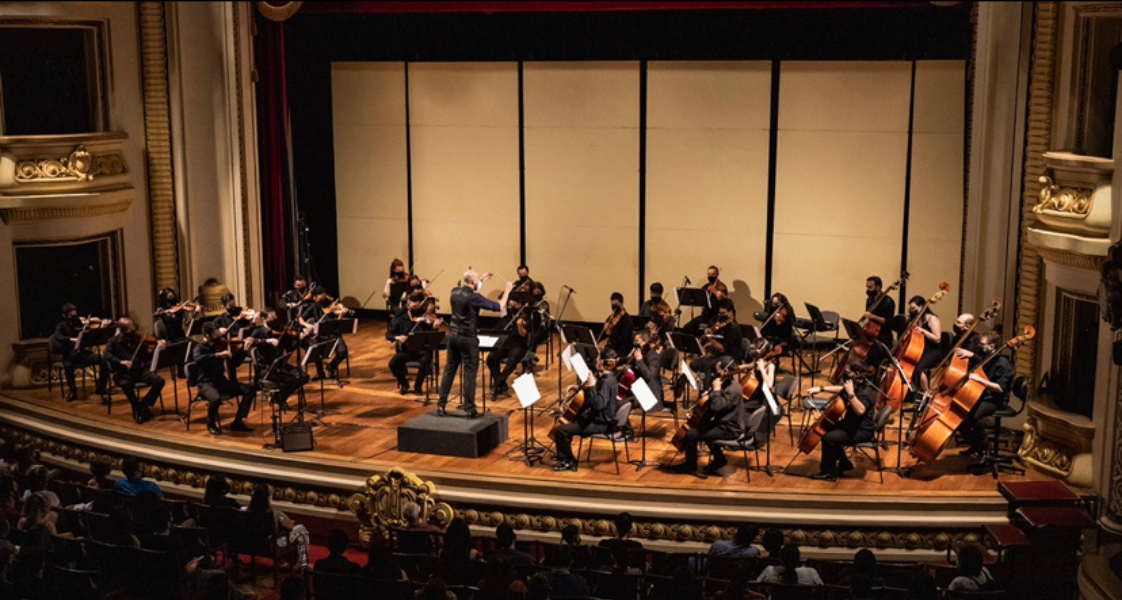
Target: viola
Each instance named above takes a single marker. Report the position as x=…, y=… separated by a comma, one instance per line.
x=611, y=323
x=232, y=344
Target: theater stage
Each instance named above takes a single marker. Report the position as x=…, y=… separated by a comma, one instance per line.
x=357, y=438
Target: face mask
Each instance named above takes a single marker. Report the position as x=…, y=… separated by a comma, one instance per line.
x=325, y=302
x=712, y=280
x=871, y=293
x=234, y=311
x=958, y=330
x=478, y=285
x=615, y=308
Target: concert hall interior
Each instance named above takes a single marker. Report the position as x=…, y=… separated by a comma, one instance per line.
x=883, y=232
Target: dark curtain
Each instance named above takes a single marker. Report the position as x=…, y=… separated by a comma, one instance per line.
x=273, y=156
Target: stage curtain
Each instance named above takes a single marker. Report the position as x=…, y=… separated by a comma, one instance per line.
x=273, y=144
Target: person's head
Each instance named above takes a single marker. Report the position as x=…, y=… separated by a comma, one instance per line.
x=712, y=273
x=617, y=301
x=69, y=311
x=299, y=282
x=514, y=302
x=130, y=466
x=471, y=279
x=865, y=561
x=608, y=358
x=259, y=501
x=457, y=539
x=916, y=304
x=790, y=558
x=570, y=535
x=100, y=468
x=231, y=304
x=538, y=587
x=292, y=588
x=36, y=508
x=963, y=322
x=415, y=283
x=746, y=534
x=989, y=342
x=537, y=290
x=523, y=271
x=126, y=326
x=857, y=369
x=656, y=290
x=211, y=331
x=397, y=269
x=337, y=542
x=320, y=295
x=216, y=489
x=642, y=338
x=724, y=365
x=873, y=285
x=411, y=512
x=504, y=535
x=167, y=297
x=623, y=524
x=726, y=312
x=772, y=541
x=778, y=300
x=970, y=560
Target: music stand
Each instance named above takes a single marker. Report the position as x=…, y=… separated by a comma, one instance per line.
x=582, y=341
x=274, y=388
x=333, y=328
x=528, y=395
x=171, y=357
x=489, y=341
x=685, y=344
x=317, y=352
x=397, y=290
x=692, y=297
x=646, y=400
x=429, y=343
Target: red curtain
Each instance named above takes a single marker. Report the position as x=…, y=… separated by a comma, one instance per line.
x=273, y=155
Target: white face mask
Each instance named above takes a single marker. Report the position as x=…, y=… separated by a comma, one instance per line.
x=478, y=285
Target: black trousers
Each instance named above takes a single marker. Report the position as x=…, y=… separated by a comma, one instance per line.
x=128, y=382
x=85, y=359
x=341, y=353
x=709, y=434
x=564, y=435
x=513, y=357
x=462, y=350
x=213, y=393
x=834, y=444
x=972, y=428
x=401, y=372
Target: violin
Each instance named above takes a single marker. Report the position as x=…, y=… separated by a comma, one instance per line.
x=611, y=323
x=232, y=344
x=187, y=305
x=712, y=332
x=95, y=323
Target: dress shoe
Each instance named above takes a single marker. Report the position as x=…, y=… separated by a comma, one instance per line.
x=139, y=418
x=72, y=396
x=418, y=390
x=239, y=425
x=214, y=427
x=717, y=465
x=404, y=389
x=440, y=410
x=565, y=465
x=333, y=373
x=824, y=476
x=318, y=377
x=845, y=465
x=682, y=468
x=972, y=451
x=472, y=414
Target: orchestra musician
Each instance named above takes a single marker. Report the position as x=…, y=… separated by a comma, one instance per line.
x=722, y=421
x=63, y=343
x=232, y=322
x=170, y=316
x=213, y=384
x=658, y=311
x=316, y=311
x=929, y=327
x=619, y=327
x=129, y=359
x=412, y=320
x=961, y=326
x=539, y=325
x=268, y=347
x=516, y=322
x=463, y=343
x=857, y=426
x=717, y=291
x=295, y=298
x=656, y=295
x=397, y=275
x=998, y=382
x=524, y=283
x=779, y=327
x=598, y=413
x=880, y=314
x=723, y=339
x=647, y=362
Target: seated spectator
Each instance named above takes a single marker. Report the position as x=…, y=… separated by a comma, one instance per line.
x=9, y=511
x=36, y=481
x=133, y=484
x=570, y=535
x=336, y=562
x=504, y=535
x=623, y=530
x=973, y=576
x=435, y=589
x=118, y=529
x=740, y=546
x=562, y=581
x=864, y=563
x=28, y=568
x=412, y=540
x=413, y=521
x=217, y=489
x=288, y=531
x=922, y=587
x=458, y=557
x=152, y=523
x=789, y=571
x=539, y=587
x=739, y=587
x=772, y=541
x=381, y=563
x=500, y=580
x=100, y=469
x=37, y=513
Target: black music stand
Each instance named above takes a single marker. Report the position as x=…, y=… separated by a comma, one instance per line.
x=267, y=378
x=692, y=297
x=317, y=352
x=428, y=342
x=685, y=344
x=642, y=462
x=532, y=450
x=171, y=357
x=333, y=328
x=500, y=336
x=397, y=290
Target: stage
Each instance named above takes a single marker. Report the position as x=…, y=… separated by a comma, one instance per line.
x=357, y=437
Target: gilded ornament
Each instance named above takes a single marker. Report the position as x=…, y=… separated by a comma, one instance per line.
x=79, y=166
x=549, y=523
x=658, y=530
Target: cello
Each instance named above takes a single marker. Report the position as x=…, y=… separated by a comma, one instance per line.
x=831, y=416
x=933, y=434
x=870, y=329
x=907, y=353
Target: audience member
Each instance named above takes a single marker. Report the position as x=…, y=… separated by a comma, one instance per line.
x=500, y=580
x=459, y=557
x=539, y=587
x=740, y=546
x=132, y=484
x=28, y=567
x=739, y=587
x=37, y=512
x=288, y=531
x=9, y=511
x=864, y=563
x=562, y=581
x=570, y=535
x=381, y=563
x=217, y=489
x=36, y=481
x=152, y=522
x=772, y=541
x=100, y=468
x=623, y=530
x=336, y=562
x=504, y=535
x=973, y=576
x=789, y=571
x=413, y=520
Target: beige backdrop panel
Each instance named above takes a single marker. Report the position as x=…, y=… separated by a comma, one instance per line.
x=840, y=180
x=707, y=157
x=464, y=128
x=935, y=228
x=582, y=157
x=368, y=114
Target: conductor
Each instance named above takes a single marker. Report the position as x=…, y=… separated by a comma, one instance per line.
x=463, y=343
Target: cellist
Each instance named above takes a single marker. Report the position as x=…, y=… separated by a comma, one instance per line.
x=598, y=414
x=857, y=426
x=722, y=421
x=998, y=381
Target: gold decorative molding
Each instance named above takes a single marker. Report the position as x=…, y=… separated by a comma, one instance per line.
x=1069, y=201
x=157, y=141
x=79, y=165
x=1072, y=259
x=278, y=12
x=1047, y=455
x=379, y=507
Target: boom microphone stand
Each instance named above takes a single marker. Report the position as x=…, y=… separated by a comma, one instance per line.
x=900, y=470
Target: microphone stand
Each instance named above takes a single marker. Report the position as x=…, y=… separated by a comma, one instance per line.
x=900, y=470
x=563, y=303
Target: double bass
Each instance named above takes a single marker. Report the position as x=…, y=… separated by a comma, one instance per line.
x=870, y=330
x=935, y=398
x=933, y=434
x=907, y=353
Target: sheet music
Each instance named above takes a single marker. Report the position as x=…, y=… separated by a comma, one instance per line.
x=689, y=375
x=488, y=341
x=155, y=359
x=526, y=389
x=643, y=394
x=567, y=357
x=581, y=368
x=771, y=402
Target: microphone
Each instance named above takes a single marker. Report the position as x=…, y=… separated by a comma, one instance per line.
x=571, y=290
x=688, y=282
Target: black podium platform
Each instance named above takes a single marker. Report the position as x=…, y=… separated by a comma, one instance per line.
x=453, y=435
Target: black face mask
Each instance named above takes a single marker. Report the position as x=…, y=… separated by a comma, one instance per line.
x=871, y=293
x=325, y=302
x=958, y=330
x=712, y=280
x=234, y=311
x=982, y=352
x=76, y=321
x=615, y=308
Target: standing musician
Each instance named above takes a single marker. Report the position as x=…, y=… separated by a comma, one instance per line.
x=660, y=314
x=963, y=324
x=322, y=308
x=517, y=323
x=524, y=283
x=463, y=343
x=126, y=355
x=718, y=292
x=929, y=327
x=880, y=313
x=857, y=426
x=999, y=372
x=62, y=342
x=723, y=339
x=171, y=314
x=598, y=414
x=295, y=298
x=656, y=295
x=266, y=340
x=412, y=320
x=779, y=328
x=646, y=359
x=397, y=275
x=619, y=328
x=722, y=420
x=213, y=384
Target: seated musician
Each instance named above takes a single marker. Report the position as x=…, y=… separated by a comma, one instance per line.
x=928, y=326
x=63, y=343
x=962, y=325
x=717, y=291
x=539, y=325
x=267, y=348
x=858, y=424
x=516, y=322
x=723, y=338
x=524, y=283
x=999, y=373
x=779, y=327
x=213, y=384
x=656, y=295
x=722, y=421
x=414, y=319
x=619, y=327
x=232, y=322
x=129, y=362
x=660, y=314
x=761, y=353
x=597, y=414
x=295, y=298
x=171, y=316
x=315, y=312
x=647, y=362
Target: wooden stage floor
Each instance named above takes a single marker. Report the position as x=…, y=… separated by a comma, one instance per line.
x=360, y=429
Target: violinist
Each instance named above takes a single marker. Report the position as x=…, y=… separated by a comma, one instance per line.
x=722, y=421
x=658, y=311
x=524, y=283
x=63, y=343
x=619, y=327
x=213, y=384
x=516, y=322
x=779, y=327
x=598, y=413
x=295, y=298
x=412, y=320
x=232, y=322
x=268, y=347
x=927, y=325
x=717, y=292
x=998, y=381
x=128, y=356
x=397, y=275
x=539, y=322
x=315, y=312
x=171, y=315
x=646, y=359
x=765, y=371
x=463, y=339
x=857, y=426
x=723, y=339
